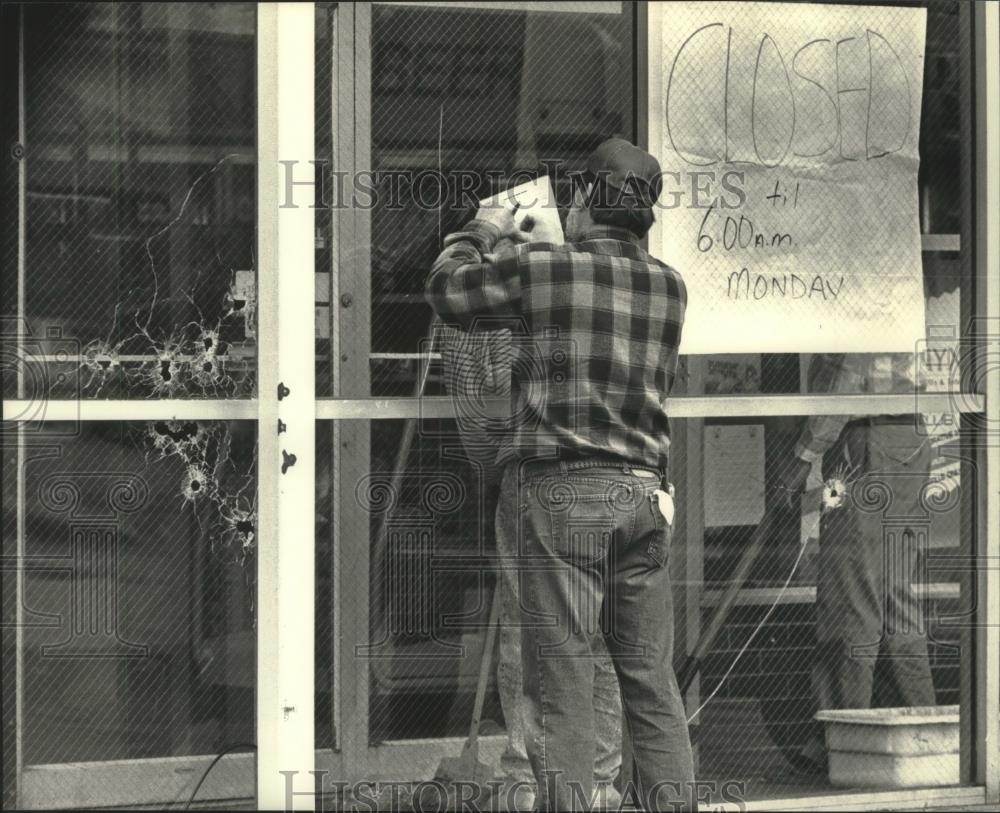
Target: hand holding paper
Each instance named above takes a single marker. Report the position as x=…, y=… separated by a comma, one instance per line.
x=525, y=213
x=503, y=215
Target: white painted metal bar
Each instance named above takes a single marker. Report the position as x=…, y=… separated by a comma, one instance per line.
x=687, y=406
x=286, y=473
x=297, y=409
x=151, y=410
x=988, y=673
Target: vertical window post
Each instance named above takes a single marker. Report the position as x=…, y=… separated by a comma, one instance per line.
x=285, y=595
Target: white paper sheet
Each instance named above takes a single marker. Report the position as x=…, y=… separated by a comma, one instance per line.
x=734, y=475
x=788, y=140
x=535, y=199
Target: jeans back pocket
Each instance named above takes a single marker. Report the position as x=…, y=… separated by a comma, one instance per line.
x=583, y=515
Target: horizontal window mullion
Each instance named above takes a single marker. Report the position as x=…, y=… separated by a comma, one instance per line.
x=20, y=411
x=442, y=407
x=702, y=406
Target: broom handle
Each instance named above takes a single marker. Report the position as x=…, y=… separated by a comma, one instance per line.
x=485, y=664
x=693, y=663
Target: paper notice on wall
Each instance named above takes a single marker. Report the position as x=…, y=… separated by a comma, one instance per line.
x=734, y=475
x=536, y=213
x=788, y=140
x=733, y=374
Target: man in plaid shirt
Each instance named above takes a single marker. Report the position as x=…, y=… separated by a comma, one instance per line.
x=596, y=324
x=865, y=604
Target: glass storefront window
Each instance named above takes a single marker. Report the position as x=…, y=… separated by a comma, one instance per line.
x=130, y=541
x=140, y=130
x=140, y=583
x=426, y=110
x=432, y=568
x=462, y=100
x=144, y=615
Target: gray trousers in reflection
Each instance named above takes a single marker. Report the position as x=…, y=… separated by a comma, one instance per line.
x=514, y=763
x=868, y=560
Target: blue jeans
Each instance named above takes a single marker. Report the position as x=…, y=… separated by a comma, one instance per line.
x=514, y=763
x=592, y=562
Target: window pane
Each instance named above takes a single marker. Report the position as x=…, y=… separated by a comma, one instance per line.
x=462, y=100
x=139, y=596
x=853, y=601
x=141, y=162
x=431, y=579
x=495, y=107
x=884, y=511
x=327, y=592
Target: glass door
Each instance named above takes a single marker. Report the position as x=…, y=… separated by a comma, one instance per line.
x=141, y=492
x=239, y=545
x=434, y=107
x=451, y=102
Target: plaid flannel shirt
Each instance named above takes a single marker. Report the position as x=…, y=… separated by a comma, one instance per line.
x=477, y=366
x=852, y=373
x=595, y=329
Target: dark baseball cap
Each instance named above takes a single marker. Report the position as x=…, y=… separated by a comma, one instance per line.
x=628, y=168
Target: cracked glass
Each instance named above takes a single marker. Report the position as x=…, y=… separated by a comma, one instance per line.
x=139, y=277
x=129, y=275
x=138, y=615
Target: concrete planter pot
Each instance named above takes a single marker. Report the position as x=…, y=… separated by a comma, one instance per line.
x=900, y=747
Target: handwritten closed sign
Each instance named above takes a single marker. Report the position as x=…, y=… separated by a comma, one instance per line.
x=788, y=135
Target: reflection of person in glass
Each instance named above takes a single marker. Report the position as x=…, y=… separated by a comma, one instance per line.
x=477, y=366
x=585, y=459
x=870, y=547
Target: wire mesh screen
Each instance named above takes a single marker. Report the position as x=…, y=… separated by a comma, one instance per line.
x=432, y=574
x=462, y=100
x=871, y=558
x=138, y=609
x=139, y=128
x=475, y=89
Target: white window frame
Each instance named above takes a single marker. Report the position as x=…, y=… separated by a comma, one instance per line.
x=285, y=572
x=285, y=657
